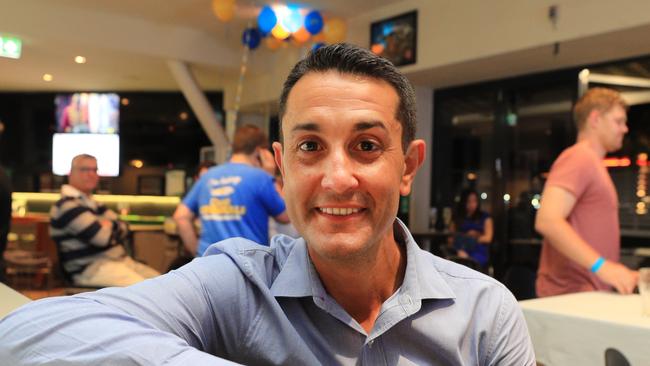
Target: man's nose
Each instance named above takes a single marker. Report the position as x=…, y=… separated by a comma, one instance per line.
x=339, y=175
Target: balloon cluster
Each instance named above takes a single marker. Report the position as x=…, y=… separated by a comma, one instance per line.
x=291, y=23
x=279, y=23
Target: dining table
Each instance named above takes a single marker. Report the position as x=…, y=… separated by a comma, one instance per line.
x=10, y=300
x=577, y=329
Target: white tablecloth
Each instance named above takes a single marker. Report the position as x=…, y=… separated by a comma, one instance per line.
x=576, y=329
x=10, y=300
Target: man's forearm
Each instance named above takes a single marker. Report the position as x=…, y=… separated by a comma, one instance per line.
x=562, y=237
x=121, y=326
x=188, y=235
x=566, y=240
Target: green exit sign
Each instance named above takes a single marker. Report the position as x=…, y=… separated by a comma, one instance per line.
x=10, y=47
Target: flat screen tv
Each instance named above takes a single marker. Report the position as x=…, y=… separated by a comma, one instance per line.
x=87, y=113
x=104, y=147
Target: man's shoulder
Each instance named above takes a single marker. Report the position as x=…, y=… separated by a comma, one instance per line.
x=229, y=172
x=258, y=263
x=466, y=283
x=65, y=203
x=66, y=199
x=255, y=172
x=473, y=293
x=578, y=153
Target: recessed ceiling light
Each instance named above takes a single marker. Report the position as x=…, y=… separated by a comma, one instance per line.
x=47, y=77
x=137, y=163
x=80, y=60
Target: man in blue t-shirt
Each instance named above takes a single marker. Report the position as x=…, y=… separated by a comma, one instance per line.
x=234, y=199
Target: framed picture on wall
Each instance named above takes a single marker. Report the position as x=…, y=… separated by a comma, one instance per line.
x=396, y=38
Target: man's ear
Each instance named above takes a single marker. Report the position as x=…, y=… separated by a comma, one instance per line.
x=277, y=154
x=255, y=156
x=593, y=118
x=413, y=160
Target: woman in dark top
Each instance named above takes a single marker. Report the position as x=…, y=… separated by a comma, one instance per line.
x=473, y=229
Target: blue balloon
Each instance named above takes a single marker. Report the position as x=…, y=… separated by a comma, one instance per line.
x=314, y=22
x=267, y=19
x=317, y=46
x=251, y=38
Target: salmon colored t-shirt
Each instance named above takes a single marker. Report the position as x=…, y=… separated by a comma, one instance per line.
x=594, y=217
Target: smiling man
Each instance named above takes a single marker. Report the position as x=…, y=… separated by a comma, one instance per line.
x=354, y=290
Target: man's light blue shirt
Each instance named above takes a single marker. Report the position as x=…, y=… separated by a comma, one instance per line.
x=266, y=305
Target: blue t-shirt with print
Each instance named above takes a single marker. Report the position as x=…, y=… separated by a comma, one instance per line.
x=234, y=200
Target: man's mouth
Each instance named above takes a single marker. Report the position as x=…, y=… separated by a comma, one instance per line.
x=339, y=211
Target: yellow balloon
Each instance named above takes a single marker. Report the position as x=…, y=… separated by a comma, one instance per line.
x=301, y=35
x=334, y=30
x=279, y=32
x=273, y=43
x=224, y=10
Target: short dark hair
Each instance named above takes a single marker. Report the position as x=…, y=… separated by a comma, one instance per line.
x=349, y=59
x=248, y=138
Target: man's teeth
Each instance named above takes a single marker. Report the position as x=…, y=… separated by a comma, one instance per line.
x=339, y=211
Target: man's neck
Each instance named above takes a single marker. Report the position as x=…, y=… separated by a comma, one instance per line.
x=362, y=286
x=88, y=194
x=592, y=141
x=240, y=158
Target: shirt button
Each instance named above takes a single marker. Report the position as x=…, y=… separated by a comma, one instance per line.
x=371, y=343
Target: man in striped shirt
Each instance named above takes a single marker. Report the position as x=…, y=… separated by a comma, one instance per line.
x=89, y=236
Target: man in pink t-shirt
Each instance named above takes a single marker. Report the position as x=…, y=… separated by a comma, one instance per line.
x=578, y=216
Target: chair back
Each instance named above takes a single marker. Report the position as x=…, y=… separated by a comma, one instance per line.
x=614, y=357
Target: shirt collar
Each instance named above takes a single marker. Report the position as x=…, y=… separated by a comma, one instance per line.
x=421, y=279
x=294, y=277
x=298, y=277
x=68, y=190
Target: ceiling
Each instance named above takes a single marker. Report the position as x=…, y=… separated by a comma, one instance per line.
x=197, y=13
x=127, y=43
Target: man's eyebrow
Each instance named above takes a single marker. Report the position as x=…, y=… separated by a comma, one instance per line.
x=362, y=126
x=309, y=126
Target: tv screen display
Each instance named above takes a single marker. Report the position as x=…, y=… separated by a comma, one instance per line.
x=87, y=113
x=104, y=147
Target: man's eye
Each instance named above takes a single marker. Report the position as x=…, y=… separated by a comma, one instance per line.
x=367, y=146
x=308, y=146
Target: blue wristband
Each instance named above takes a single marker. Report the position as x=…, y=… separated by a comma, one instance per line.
x=596, y=266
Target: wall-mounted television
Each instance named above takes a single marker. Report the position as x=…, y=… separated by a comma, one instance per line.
x=104, y=147
x=87, y=113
